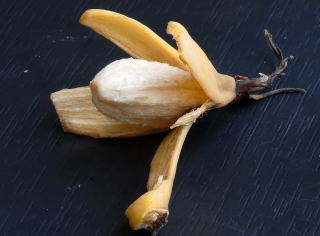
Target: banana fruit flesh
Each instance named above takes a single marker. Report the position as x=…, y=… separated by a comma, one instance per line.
x=147, y=93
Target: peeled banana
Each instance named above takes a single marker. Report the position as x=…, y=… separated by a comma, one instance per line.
x=146, y=93
x=153, y=92
x=161, y=89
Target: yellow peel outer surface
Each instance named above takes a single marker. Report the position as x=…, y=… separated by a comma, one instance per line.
x=220, y=88
x=160, y=183
x=132, y=36
x=156, y=200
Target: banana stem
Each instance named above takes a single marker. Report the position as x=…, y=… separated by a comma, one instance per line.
x=256, y=88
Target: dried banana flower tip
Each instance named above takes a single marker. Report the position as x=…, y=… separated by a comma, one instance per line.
x=156, y=224
x=257, y=88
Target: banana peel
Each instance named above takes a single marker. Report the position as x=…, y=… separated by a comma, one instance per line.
x=219, y=87
x=151, y=210
x=133, y=37
x=193, y=115
x=78, y=115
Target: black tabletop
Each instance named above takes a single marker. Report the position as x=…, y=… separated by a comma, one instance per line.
x=246, y=169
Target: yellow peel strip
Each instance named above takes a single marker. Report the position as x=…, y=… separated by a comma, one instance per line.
x=220, y=88
x=192, y=116
x=150, y=211
x=132, y=36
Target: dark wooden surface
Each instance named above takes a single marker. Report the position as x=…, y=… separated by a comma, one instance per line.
x=247, y=169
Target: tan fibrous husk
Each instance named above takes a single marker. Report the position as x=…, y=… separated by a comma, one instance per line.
x=78, y=115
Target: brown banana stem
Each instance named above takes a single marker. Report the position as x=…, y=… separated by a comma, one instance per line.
x=256, y=88
x=276, y=91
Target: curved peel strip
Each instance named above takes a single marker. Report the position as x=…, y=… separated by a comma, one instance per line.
x=150, y=211
x=132, y=36
x=192, y=116
x=220, y=88
x=78, y=115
